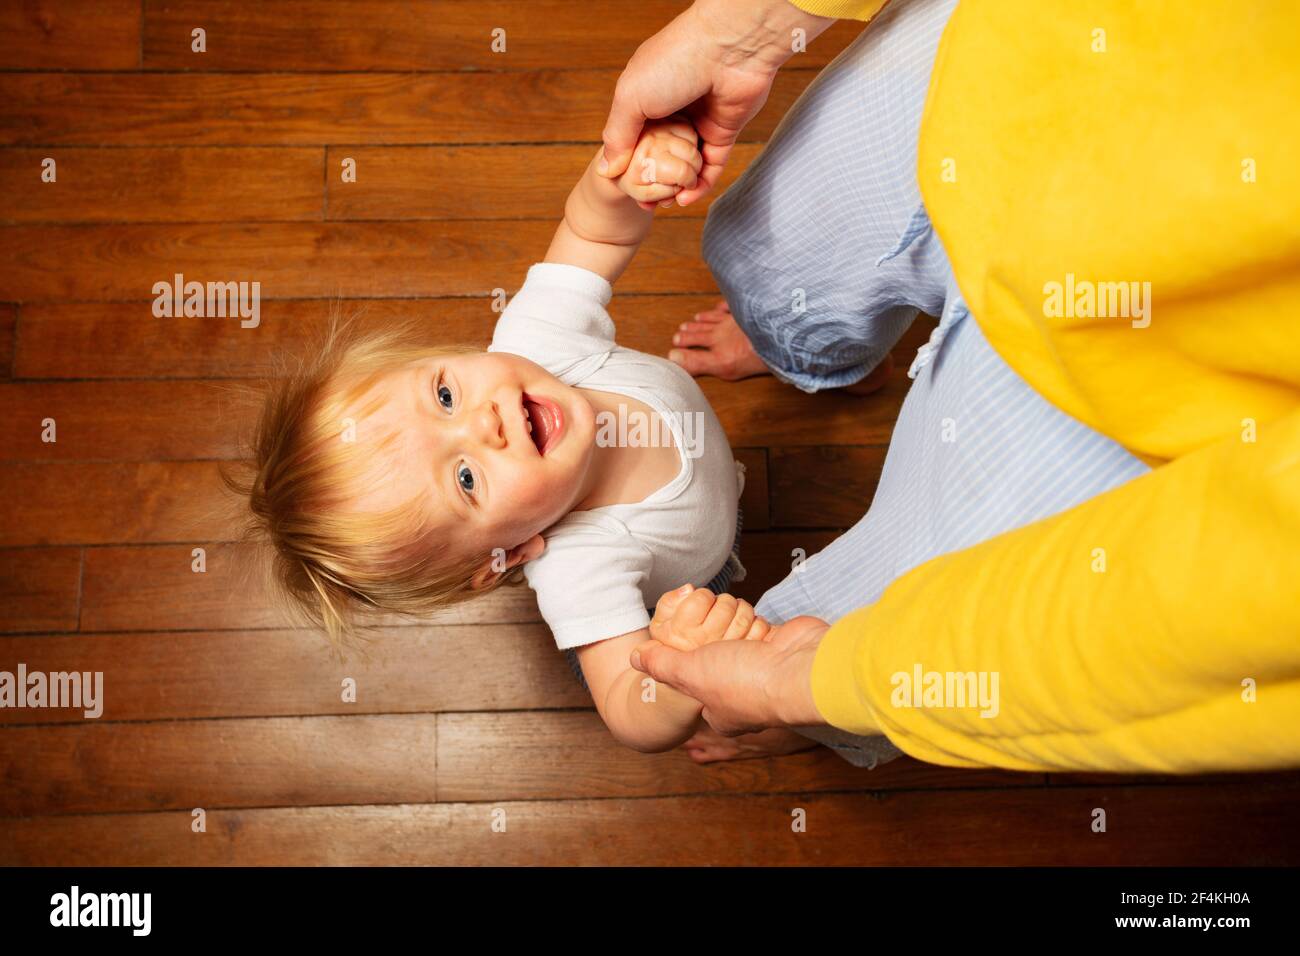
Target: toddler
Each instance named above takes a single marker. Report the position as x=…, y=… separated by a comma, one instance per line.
x=398, y=477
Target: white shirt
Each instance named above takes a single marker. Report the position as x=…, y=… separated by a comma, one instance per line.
x=604, y=567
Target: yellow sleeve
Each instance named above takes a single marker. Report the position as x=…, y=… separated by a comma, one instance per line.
x=841, y=9
x=1154, y=628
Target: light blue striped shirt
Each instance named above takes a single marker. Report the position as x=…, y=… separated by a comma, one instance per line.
x=829, y=217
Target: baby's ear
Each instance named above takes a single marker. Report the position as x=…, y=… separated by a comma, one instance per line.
x=499, y=564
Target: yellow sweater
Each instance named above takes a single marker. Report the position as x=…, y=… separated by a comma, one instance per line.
x=1068, y=151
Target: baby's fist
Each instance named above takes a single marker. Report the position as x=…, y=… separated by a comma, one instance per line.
x=692, y=617
x=666, y=161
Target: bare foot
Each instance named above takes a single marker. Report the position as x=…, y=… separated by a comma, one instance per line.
x=709, y=746
x=713, y=344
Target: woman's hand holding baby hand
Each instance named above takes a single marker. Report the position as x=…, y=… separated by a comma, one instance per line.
x=666, y=161
x=692, y=617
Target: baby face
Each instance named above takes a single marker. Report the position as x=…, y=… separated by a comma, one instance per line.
x=498, y=447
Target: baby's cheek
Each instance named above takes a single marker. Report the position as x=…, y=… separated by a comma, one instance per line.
x=531, y=501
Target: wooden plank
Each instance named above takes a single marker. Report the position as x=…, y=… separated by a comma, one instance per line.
x=478, y=182
x=8, y=334
x=279, y=761
x=1243, y=824
x=106, y=767
x=121, y=421
x=538, y=756
x=329, y=35
x=754, y=499
x=154, y=588
x=424, y=668
x=40, y=589
x=158, y=502
x=111, y=503
x=125, y=340
x=825, y=486
x=763, y=411
x=1138, y=779
x=313, y=260
x=70, y=35
x=185, y=419
x=284, y=109
x=68, y=340
x=162, y=185
x=139, y=588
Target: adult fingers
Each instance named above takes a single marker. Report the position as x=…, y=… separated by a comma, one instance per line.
x=622, y=130
x=709, y=174
x=675, y=171
x=663, y=663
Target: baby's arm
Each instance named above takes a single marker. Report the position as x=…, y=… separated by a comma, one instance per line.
x=604, y=220
x=639, y=712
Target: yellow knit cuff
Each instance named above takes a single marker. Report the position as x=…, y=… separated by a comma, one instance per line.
x=834, y=677
x=841, y=9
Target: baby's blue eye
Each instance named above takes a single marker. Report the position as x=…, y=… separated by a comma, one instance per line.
x=444, y=396
x=465, y=478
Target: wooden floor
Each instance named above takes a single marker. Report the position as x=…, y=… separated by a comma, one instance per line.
x=225, y=166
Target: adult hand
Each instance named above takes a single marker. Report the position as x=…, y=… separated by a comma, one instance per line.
x=715, y=62
x=745, y=686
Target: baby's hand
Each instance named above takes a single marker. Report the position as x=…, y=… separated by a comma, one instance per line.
x=666, y=161
x=692, y=617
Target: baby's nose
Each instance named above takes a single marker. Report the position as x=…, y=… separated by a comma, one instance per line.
x=489, y=425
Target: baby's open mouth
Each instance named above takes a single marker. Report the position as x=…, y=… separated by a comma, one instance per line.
x=543, y=418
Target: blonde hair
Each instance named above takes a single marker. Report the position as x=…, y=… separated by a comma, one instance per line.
x=332, y=565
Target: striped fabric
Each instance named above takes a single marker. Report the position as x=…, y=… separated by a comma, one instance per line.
x=829, y=217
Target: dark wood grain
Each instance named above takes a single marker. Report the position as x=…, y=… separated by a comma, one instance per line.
x=109, y=503
x=1149, y=826
x=281, y=109
x=146, y=587
x=332, y=35
x=531, y=756
x=283, y=761
x=8, y=330
x=70, y=35
x=824, y=485
x=422, y=668
x=478, y=182
x=194, y=419
x=162, y=185
x=313, y=260
x=40, y=589
x=143, y=588
x=125, y=340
